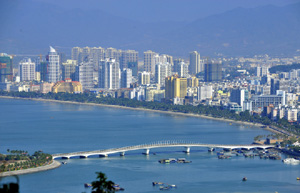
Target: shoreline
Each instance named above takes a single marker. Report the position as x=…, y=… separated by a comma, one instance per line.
x=150, y=110
x=53, y=165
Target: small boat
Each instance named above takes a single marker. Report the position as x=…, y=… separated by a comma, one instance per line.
x=298, y=178
x=87, y=185
x=64, y=162
x=291, y=161
x=244, y=179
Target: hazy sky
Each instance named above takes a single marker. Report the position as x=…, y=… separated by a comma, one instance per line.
x=175, y=10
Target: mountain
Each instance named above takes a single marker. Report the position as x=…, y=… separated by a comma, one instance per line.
x=30, y=27
x=269, y=29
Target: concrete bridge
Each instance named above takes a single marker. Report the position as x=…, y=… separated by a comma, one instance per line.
x=146, y=147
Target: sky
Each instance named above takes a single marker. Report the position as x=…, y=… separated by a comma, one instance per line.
x=174, y=10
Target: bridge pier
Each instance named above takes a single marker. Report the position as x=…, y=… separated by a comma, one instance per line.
x=122, y=153
x=187, y=149
x=146, y=152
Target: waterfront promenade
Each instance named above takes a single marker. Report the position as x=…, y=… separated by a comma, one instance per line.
x=146, y=147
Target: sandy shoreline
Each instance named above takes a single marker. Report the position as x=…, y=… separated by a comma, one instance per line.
x=53, y=165
x=149, y=110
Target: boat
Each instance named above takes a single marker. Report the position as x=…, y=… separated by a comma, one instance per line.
x=87, y=185
x=64, y=162
x=298, y=178
x=291, y=161
x=244, y=179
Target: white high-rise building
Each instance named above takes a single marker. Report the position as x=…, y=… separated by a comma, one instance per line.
x=53, y=66
x=182, y=69
x=109, y=74
x=195, y=63
x=205, y=92
x=150, y=59
x=162, y=70
x=126, y=78
x=84, y=74
x=144, y=78
x=96, y=54
x=27, y=70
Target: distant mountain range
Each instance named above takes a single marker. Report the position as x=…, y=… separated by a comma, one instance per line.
x=30, y=28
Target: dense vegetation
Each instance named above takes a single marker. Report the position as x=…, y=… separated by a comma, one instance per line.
x=18, y=160
x=284, y=68
x=213, y=111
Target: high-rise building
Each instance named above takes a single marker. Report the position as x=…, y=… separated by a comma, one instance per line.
x=128, y=56
x=192, y=82
x=162, y=70
x=84, y=74
x=144, y=78
x=277, y=84
x=109, y=74
x=182, y=69
x=43, y=71
x=175, y=87
x=195, y=63
x=27, y=70
x=262, y=71
x=69, y=69
x=126, y=78
x=205, y=92
x=177, y=61
x=6, y=67
x=213, y=71
x=149, y=61
x=76, y=53
x=53, y=66
x=96, y=54
x=238, y=96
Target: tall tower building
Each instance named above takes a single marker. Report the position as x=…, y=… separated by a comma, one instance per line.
x=238, y=96
x=6, y=67
x=84, y=75
x=213, y=71
x=175, y=87
x=76, y=53
x=129, y=56
x=53, y=66
x=126, y=78
x=149, y=61
x=195, y=63
x=109, y=74
x=69, y=69
x=182, y=69
x=144, y=78
x=27, y=70
x=162, y=70
x=96, y=54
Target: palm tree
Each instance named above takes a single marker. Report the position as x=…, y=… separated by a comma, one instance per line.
x=102, y=185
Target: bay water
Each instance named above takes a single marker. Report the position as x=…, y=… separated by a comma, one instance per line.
x=63, y=128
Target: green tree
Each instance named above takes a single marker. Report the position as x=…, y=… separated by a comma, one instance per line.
x=102, y=185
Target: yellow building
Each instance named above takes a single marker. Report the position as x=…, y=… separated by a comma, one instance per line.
x=175, y=87
x=67, y=86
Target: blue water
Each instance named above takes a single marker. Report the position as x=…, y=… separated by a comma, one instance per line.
x=60, y=128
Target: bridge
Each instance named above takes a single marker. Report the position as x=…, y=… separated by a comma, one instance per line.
x=147, y=147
